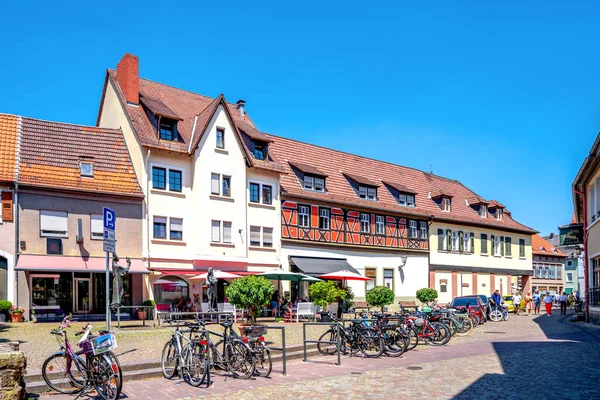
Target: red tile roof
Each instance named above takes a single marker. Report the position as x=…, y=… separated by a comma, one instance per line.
x=9, y=134
x=475, y=200
x=360, y=180
x=339, y=191
x=495, y=204
x=308, y=169
x=399, y=187
x=159, y=108
x=540, y=246
x=50, y=155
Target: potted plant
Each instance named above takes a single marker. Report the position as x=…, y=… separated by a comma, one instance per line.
x=149, y=311
x=5, y=307
x=324, y=293
x=16, y=313
x=380, y=296
x=427, y=295
x=141, y=313
x=250, y=293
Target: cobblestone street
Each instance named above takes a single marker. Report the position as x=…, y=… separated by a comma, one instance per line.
x=507, y=360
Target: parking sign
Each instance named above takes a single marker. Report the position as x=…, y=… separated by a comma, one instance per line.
x=110, y=219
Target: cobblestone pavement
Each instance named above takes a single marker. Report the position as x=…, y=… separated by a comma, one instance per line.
x=524, y=358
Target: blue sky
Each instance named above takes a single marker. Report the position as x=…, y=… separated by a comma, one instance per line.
x=503, y=97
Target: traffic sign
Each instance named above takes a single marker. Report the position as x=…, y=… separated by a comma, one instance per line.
x=109, y=247
x=109, y=236
x=110, y=219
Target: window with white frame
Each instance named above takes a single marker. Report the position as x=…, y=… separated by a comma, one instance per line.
x=455, y=243
x=175, y=228
x=467, y=242
x=497, y=244
x=367, y=192
x=324, y=218
x=304, y=216
x=559, y=271
x=261, y=234
x=423, y=230
x=97, y=226
x=215, y=233
x=446, y=204
x=167, y=227
x=315, y=183
x=546, y=274
x=220, y=138
x=54, y=223
x=365, y=223
x=388, y=278
x=227, y=238
x=86, y=169
x=221, y=232
x=483, y=211
x=255, y=236
x=267, y=237
x=380, y=225
x=406, y=199
x=412, y=230
x=442, y=240
x=160, y=228
x=569, y=277
x=499, y=214
x=220, y=185
x=260, y=193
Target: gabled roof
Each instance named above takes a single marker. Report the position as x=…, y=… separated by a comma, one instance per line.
x=360, y=180
x=9, y=138
x=399, y=187
x=475, y=200
x=307, y=169
x=340, y=192
x=440, y=192
x=495, y=204
x=51, y=152
x=159, y=108
x=540, y=246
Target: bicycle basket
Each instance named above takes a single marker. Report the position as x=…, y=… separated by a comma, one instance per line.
x=419, y=322
x=255, y=331
x=87, y=348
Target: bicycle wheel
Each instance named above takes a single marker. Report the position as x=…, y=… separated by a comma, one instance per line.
x=505, y=315
x=465, y=326
x=240, y=360
x=413, y=338
x=370, y=344
x=264, y=364
x=196, y=364
x=54, y=372
x=475, y=320
x=328, y=349
x=496, y=316
x=437, y=334
x=394, y=344
x=452, y=325
x=169, y=361
x=105, y=376
x=115, y=360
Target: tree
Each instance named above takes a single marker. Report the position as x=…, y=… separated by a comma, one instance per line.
x=325, y=292
x=380, y=296
x=251, y=293
x=426, y=295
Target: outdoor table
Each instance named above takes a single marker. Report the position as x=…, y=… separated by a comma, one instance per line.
x=199, y=314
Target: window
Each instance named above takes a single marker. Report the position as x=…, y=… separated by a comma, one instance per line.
x=484, y=249
x=319, y=184
x=443, y=287
x=267, y=194
x=558, y=272
x=442, y=241
x=592, y=205
x=54, y=246
x=569, y=263
x=367, y=192
x=160, y=228
x=176, y=229
x=569, y=277
x=53, y=223
x=254, y=192
x=7, y=206
x=467, y=242
x=388, y=278
x=167, y=129
x=314, y=183
x=496, y=245
x=159, y=178
x=267, y=237
x=226, y=232
x=407, y=200
x=412, y=229
x=216, y=231
x=226, y=183
x=365, y=223
x=214, y=183
x=446, y=204
x=380, y=225
x=545, y=272
x=97, y=226
x=483, y=211
x=499, y=214
x=174, y=180
x=522, y=248
x=169, y=289
x=220, y=138
x=260, y=150
x=423, y=230
x=551, y=272
x=370, y=273
x=309, y=182
x=323, y=218
x=255, y=236
x=303, y=216
x=508, y=246
x=454, y=241
x=86, y=169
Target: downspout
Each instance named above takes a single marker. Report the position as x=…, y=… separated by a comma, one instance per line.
x=585, y=252
x=16, y=288
x=148, y=205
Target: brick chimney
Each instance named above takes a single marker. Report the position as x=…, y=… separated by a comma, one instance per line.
x=128, y=78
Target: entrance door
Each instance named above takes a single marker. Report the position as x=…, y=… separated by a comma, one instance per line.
x=82, y=294
x=3, y=278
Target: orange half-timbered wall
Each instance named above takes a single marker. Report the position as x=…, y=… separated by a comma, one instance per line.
x=344, y=228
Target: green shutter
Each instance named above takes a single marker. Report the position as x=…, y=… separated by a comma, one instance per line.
x=508, y=247
x=472, y=238
x=449, y=239
x=461, y=242
x=502, y=246
x=440, y=239
x=521, y=247
x=493, y=248
x=483, y=238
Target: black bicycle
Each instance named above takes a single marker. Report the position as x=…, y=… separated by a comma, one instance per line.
x=352, y=339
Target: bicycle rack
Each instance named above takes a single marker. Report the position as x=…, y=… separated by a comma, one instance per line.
x=282, y=348
x=337, y=343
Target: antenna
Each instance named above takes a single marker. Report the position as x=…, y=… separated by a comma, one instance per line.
x=430, y=167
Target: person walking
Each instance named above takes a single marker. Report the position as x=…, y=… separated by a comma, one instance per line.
x=528, y=303
x=537, y=302
x=517, y=302
x=548, y=303
x=275, y=302
x=563, y=304
x=496, y=298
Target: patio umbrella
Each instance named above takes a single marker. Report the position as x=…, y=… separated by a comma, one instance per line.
x=344, y=275
x=166, y=281
x=218, y=274
x=281, y=275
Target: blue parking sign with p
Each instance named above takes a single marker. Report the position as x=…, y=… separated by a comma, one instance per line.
x=110, y=219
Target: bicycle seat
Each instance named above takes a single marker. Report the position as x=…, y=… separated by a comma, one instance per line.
x=226, y=324
x=103, y=332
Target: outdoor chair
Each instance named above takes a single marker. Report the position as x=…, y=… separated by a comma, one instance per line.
x=227, y=308
x=306, y=310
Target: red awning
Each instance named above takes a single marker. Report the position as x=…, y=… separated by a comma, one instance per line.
x=51, y=264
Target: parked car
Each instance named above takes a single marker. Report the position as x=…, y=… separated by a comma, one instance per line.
x=509, y=303
x=486, y=302
x=474, y=303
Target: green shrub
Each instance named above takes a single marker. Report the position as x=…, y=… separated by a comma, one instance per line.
x=5, y=306
x=251, y=293
x=325, y=292
x=380, y=296
x=149, y=303
x=426, y=295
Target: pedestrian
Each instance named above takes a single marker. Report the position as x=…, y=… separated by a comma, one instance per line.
x=537, y=302
x=517, y=302
x=496, y=298
x=563, y=304
x=275, y=302
x=548, y=303
x=528, y=303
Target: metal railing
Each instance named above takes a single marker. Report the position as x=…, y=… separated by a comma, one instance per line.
x=282, y=348
x=144, y=320
x=338, y=342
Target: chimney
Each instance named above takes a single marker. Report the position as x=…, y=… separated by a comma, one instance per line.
x=240, y=106
x=128, y=78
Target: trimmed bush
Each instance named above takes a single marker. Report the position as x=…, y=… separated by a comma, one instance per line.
x=325, y=292
x=380, y=296
x=5, y=307
x=251, y=293
x=427, y=295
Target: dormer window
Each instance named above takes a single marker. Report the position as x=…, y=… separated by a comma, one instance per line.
x=167, y=129
x=446, y=204
x=86, y=169
x=260, y=150
x=483, y=211
x=499, y=214
x=367, y=192
x=314, y=183
x=406, y=199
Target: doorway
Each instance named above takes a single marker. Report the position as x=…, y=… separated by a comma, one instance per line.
x=82, y=294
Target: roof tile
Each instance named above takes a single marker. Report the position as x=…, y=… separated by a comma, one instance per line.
x=8, y=146
x=540, y=246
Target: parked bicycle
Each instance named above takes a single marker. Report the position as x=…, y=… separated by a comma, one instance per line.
x=254, y=337
x=231, y=353
x=352, y=339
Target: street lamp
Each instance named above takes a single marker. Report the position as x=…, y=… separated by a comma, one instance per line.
x=403, y=259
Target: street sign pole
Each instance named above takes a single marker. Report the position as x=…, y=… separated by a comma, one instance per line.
x=110, y=220
x=107, y=292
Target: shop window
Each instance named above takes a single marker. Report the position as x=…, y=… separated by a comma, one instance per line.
x=388, y=278
x=44, y=291
x=169, y=289
x=370, y=273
